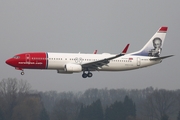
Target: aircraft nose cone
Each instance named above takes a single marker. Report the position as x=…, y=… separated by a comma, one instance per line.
x=9, y=62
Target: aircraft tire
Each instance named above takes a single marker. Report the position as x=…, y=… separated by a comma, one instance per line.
x=84, y=75
x=89, y=74
x=22, y=73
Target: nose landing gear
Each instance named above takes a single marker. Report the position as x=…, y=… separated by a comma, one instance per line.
x=17, y=68
x=22, y=73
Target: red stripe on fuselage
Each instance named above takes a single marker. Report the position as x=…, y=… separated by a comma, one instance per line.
x=36, y=60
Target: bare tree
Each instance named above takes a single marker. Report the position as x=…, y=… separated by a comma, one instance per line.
x=12, y=86
x=160, y=103
x=10, y=91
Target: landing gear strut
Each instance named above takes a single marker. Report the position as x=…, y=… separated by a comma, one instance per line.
x=85, y=75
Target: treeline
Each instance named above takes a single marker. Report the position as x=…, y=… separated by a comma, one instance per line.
x=116, y=111
x=19, y=102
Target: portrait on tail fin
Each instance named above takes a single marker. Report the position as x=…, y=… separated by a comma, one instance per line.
x=157, y=43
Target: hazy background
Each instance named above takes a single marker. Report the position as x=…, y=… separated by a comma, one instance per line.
x=83, y=26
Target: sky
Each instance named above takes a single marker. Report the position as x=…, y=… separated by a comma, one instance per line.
x=86, y=25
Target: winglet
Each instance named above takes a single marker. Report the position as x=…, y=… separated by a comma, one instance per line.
x=95, y=52
x=125, y=49
x=121, y=54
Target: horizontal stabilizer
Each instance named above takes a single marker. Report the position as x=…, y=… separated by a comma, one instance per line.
x=159, y=58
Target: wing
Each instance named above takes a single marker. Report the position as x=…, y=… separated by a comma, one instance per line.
x=95, y=65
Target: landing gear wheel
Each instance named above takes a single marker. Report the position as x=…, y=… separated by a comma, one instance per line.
x=22, y=73
x=84, y=75
x=89, y=74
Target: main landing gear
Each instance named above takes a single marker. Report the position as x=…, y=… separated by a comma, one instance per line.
x=85, y=75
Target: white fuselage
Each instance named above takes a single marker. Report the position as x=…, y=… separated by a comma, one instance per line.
x=127, y=62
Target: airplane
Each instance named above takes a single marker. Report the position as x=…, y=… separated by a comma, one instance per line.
x=68, y=63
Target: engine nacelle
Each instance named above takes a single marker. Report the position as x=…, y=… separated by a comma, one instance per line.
x=64, y=72
x=72, y=68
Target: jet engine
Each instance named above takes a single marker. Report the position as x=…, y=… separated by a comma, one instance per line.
x=72, y=68
x=64, y=72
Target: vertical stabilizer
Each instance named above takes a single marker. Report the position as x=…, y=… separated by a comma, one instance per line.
x=154, y=46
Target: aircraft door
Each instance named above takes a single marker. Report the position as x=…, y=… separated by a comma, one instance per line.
x=138, y=61
x=28, y=58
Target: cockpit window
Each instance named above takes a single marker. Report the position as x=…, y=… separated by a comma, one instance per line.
x=16, y=57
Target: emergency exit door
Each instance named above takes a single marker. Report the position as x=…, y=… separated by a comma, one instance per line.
x=138, y=61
